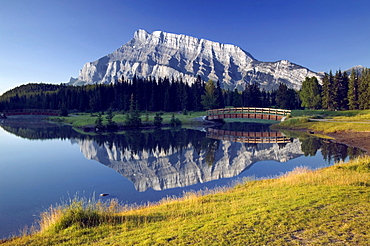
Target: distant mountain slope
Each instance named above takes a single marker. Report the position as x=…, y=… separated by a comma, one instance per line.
x=357, y=69
x=162, y=54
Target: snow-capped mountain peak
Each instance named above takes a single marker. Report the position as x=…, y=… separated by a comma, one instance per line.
x=162, y=54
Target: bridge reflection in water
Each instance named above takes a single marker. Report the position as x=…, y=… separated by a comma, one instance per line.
x=248, y=113
x=247, y=137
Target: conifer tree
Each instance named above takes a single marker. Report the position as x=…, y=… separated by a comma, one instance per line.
x=281, y=96
x=219, y=95
x=252, y=95
x=342, y=90
x=310, y=93
x=329, y=92
x=175, y=121
x=237, y=100
x=158, y=119
x=353, y=90
x=111, y=125
x=182, y=95
x=99, y=123
x=133, y=116
x=364, y=90
x=209, y=100
x=197, y=91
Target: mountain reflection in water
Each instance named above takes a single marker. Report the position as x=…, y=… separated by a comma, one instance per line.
x=168, y=158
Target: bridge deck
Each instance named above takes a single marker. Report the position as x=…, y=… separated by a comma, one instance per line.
x=250, y=113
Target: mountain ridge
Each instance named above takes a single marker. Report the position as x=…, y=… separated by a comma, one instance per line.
x=162, y=54
x=160, y=170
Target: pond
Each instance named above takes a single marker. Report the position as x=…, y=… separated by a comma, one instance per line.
x=43, y=164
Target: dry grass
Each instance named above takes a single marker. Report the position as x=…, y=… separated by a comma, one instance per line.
x=330, y=206
x=358, y=120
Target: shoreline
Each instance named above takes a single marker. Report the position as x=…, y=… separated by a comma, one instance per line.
x=358, y=139
x=353, y=139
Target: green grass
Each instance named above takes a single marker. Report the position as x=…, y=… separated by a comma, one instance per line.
x=330, y=206
x=356, y=120
x=327, y=113
x=85, y=119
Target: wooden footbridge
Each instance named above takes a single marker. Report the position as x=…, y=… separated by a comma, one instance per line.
x=247, y=137
x=29, y=112
x=248, y=113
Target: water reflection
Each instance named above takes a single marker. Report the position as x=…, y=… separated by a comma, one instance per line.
x=248, y=137
x=188, y=160
x=163, y=159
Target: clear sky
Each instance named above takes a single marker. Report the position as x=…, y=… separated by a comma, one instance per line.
x=50, y=40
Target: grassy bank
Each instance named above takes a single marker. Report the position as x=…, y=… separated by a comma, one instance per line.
x=328, y=121
x=86, y=119
x=330, y=206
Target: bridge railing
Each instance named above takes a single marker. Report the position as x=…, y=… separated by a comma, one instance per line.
x=248, y=137
x=248, y=110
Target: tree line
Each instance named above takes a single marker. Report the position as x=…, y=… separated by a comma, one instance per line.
x=149, y=95
x=177, y=139
x=338, y=91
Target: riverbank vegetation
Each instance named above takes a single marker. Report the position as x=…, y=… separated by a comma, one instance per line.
x=147, y=118
x=151, y=94
x=328, y=206
x=336, y=92
x=328, y=121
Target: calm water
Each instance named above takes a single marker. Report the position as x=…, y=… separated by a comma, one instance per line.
x=43, y=164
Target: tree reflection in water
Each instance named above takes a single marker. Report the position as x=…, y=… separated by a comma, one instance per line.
x=176, y=139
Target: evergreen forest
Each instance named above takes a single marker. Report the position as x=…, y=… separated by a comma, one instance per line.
x=336, y=92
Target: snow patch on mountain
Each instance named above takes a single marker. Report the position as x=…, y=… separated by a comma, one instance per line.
x=160, y=170
x=162, y=54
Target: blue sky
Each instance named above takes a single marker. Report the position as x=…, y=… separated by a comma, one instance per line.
x=50, y=40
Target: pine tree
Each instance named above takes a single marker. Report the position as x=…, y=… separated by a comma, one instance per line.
x=219, y=95
x=342, y=90
x=335, y=89
x=353, y=90
x=153, y=105
x=133, y=116
x=281, y=96
x=237, y=100
x=182, y=95
x=292, y=98
x=364, y=89
x=209, y=99
x=158, y=119
x=111, y=125
x=329, y=92
x=166, y=97
x=99, y=123
x=175, y=121
x=252, y=95
x=247, y=100
x=197, y=91
x=310, y=93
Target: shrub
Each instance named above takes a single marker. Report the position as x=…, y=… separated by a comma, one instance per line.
x=175, y=121
x=80, y=213
x=158, y=119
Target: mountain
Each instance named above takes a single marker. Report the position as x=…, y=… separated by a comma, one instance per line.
x=357, y=69
x=159, y=169
x=162, y=54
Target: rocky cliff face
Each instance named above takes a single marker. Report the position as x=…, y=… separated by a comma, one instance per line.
x=159, y=169
x=169, y=55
